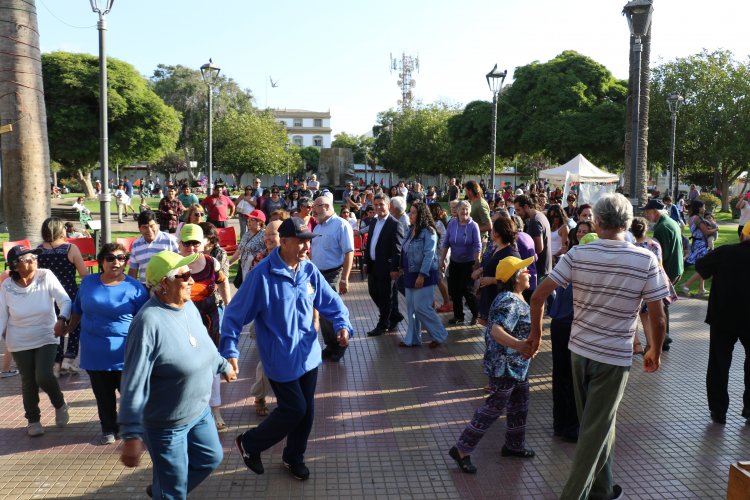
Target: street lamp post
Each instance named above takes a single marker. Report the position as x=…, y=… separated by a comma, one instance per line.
x=495, y=81
x=210, y=73
x=638, y=13
x=675, y=102
x=287, y=147
x=104, y=196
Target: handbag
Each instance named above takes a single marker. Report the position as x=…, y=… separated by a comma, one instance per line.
x=238, y=278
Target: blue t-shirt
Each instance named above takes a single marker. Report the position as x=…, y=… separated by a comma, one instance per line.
x=106, y=313
x=513, y=314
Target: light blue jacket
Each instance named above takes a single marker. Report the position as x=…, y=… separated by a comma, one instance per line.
x=421, y=252
x=281, y=303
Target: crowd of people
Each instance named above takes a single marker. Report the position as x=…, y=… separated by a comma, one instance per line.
x=164, y=333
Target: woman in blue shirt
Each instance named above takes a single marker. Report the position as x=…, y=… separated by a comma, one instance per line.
x=105, y=305
x=506, y=362
x=419, y=262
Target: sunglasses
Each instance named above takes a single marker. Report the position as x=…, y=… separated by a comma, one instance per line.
x=184, y=276
x=27, y=259
x=199, y=214
x=274, y=192
x=191, y=243
x=111, y=258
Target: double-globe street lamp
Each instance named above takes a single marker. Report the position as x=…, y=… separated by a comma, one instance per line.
x=638, y=14
x=210, y=73
x=495, y=81
x=675, y=102
x=104, y=196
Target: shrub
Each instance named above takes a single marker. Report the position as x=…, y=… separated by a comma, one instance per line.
x=710, y=201
x=732, y=207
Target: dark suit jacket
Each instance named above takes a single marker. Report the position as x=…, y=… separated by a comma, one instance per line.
x=388, y=249
x=730, y=293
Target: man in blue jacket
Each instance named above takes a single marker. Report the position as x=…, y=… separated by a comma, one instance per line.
x=279, y=294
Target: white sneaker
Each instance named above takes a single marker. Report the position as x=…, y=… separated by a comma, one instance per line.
x=107, y=438
x=69, y=366
x=62, y=417
x=56, y=370
x=35, y=429
x=9, y=373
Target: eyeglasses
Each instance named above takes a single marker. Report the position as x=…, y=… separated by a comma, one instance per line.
x=191, y=243
x=184, y=276
x=274, y=192
x=320, y=205
x=199, y=214
x=27, y=259
x=121, y=257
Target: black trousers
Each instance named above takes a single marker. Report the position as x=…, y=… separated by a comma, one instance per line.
x=218, y=223
x=564, y=414
x=379, y=288
x=104, y=384
x=461, y=286
x=720, y=347
x=333, y=277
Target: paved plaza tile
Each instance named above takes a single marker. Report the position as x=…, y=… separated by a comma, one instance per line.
x=386, y=417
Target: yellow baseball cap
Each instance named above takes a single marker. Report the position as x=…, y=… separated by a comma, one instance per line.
x=165, y=261
x=509, y=266
x=191, y=232
x=746, y=230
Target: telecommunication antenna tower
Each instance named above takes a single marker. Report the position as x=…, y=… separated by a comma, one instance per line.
x=405, y=67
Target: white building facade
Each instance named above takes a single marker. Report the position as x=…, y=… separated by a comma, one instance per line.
x=306, y=128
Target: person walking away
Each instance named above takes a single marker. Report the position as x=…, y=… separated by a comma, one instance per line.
x=280, y=294
x=332, y=251
x=727, y=265
x=601, y=339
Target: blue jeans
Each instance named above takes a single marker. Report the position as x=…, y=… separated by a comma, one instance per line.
x=183, y=456
x=419, y=311
x=292, y=418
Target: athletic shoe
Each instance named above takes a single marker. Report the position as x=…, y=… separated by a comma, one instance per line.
x=34, y=429
x=298, y=470
x=617, y=492
x=9, y=373
x=107, y=438
x=252, y=462
x=62, y=417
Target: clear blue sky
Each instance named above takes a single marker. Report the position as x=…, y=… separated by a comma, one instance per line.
x=334, y=55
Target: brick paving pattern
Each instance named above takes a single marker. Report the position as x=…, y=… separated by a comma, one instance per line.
x=386, y=417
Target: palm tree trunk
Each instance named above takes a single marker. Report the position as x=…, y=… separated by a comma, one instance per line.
x=25, y=151
x=645, y=91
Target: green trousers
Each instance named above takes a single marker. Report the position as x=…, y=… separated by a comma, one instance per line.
x=598, y=390
x=35, y=366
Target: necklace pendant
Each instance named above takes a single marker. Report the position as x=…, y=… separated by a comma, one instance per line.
x=193, y=341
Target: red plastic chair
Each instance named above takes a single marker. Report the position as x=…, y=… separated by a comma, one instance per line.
x=227, y=239
x=127, y=242
x=88, y=250
x=7, y=245
x=359, y=245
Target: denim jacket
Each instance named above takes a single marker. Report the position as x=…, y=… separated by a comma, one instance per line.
x=421, y=252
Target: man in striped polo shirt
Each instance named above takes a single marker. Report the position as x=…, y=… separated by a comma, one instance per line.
x=152, y=241
x=611, y=278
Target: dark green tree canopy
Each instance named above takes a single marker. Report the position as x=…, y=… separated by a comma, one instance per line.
x=568, y=105
x=141, y=125
x=361, y=146
x=471, y=131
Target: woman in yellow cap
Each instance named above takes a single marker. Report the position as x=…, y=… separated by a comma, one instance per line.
x=506, y=362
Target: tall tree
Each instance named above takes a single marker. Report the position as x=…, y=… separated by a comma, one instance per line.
x=183, y=88
x=714, y=124
x=310, y=157
x=568, y=105
x=252, y=142
x=641, y=181
x=25, y=154
x=471, y=131
x=141, y=126
x=361, y=145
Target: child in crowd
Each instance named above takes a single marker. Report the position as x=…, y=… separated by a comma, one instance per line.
x=708, y=217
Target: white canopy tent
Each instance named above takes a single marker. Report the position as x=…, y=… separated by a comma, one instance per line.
x=579, y=169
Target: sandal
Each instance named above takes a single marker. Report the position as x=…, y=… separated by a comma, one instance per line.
x=260, y=407
x=638, y=349
x=464, y=463
x=220, y=424
x=526, y=453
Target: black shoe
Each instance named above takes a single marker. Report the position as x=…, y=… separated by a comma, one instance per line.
x=252, y=462
x=298, y=470
x=617, y=492
x=456, y=321
x=464, y=463
x=393, y=326
x=375, y=332
x=149, y=491
x=665, y=347
x=719, y=418
x=325, y=353
x=335, y=357
x=473, y=321
x=507, y=452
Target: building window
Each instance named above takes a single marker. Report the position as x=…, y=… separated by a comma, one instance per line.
x=298, y=122
x=297, y=140
x=318, y=141
x=318, y=122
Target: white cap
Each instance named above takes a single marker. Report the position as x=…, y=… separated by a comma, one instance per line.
x=519, y=192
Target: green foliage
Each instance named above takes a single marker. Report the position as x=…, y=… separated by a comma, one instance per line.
x=311, y=157
x=710, y=201
x=471, y=131
x=361, y=146
x=141, y=126
x=171, y=164
x=712, y=126
x=252, y=142
x=568, y=105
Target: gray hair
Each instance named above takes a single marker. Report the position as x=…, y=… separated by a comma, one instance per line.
x=382, y=196
x=463, y=203
x=613, y=211
x=399, y=203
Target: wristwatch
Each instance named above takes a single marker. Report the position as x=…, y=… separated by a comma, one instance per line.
x=63, y=318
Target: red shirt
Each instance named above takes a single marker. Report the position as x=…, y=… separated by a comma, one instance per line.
x=217, y=207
